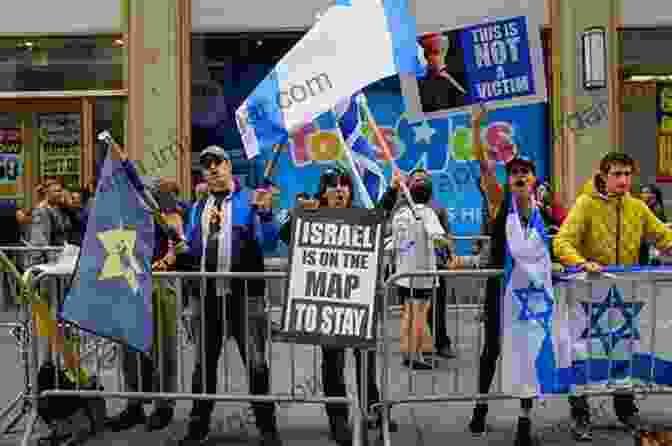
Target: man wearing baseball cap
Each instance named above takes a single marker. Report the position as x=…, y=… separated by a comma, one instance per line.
x=521, y=178
x=232, y=228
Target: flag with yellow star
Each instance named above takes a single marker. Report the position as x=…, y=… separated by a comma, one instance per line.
x=112, y=288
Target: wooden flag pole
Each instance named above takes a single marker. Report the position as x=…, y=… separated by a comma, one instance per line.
x=387, y=152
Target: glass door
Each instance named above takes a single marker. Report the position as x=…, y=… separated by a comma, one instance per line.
x=41, y=139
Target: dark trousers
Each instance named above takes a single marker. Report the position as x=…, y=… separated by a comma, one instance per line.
x=254, y=327
x=333, y=377
x=441, y=338
x=624, y=405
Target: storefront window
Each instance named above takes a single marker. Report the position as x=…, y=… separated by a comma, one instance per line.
x=225, y=70
x=61, y=63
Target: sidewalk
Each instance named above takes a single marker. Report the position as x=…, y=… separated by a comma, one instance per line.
x=300, y=424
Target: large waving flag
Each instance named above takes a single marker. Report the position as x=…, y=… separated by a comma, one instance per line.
x=111, y=293
x=354, y=44
x=536, y=350
x=351, y=124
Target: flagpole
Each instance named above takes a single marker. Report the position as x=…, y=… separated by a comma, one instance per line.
x=386, y=150
x=146, y=197
x=368, y=203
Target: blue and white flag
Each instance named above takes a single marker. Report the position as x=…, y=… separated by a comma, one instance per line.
x=536, y=352
x=354, y=44
x=619, y=327
x=111, y=293
x=350, y=122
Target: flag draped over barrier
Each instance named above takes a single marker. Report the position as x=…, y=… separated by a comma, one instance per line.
x=619, y=326
x=354, y=44
x=112, y=287
x=572, y=329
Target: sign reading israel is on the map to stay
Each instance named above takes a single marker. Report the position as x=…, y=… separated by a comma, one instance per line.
x=334, y=261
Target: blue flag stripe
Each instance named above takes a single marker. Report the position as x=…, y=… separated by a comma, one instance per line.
x=403, y=30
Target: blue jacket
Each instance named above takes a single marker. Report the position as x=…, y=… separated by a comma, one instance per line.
x=253, y=232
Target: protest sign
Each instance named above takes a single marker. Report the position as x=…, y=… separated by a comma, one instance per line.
x=475, y=64
x=334, y=261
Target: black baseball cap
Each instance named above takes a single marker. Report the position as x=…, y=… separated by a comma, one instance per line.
x=521, y=161
x=333, y=176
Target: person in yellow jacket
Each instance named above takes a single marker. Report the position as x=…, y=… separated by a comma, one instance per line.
x=606, y=226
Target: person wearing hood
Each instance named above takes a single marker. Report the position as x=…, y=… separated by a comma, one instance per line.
x=607, y=227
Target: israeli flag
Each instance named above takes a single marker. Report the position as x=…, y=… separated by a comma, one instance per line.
x=354, y=44
x=536, y=346
x=349, y=120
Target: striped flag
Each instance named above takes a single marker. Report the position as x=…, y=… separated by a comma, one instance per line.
x=536, y=351
x=349, y=119
x=377, y=37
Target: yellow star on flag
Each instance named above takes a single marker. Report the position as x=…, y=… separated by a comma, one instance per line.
x=120, y=261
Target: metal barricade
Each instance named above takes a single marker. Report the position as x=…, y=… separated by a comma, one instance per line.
x=393, y=396
x=245, y=325
x=17, y=317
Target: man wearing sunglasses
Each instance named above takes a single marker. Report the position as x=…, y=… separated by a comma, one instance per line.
x=231, y=229
x=335, y=192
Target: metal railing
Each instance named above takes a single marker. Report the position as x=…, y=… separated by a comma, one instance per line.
x=610, y=385
x=231, y=392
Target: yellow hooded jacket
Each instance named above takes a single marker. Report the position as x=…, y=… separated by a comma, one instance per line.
x=608, y=230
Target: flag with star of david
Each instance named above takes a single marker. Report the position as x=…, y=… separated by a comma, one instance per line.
x=536, y=355
x=619, y=335
x=111, y=292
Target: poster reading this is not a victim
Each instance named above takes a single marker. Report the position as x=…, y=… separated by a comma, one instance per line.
x=334, y=261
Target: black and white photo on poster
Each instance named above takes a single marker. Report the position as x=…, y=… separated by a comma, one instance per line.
x=334, y=261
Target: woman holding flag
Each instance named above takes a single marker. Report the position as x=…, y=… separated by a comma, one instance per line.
x=518, y=231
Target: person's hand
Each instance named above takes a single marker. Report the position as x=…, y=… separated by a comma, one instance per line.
x=591, y=267
x=478, y=112
x=214, y=216
x=263, y=199
x=397, y=178
x=309, y=204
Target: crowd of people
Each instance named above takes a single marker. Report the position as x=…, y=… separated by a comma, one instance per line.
x=228, y=227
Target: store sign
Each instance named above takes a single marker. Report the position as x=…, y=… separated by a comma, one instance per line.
x=60, y=146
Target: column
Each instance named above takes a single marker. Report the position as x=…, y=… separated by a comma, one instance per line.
x=159, y=115
x=586, y=122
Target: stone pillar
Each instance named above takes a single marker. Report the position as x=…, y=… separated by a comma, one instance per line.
x=586, y=122
x=159, y=115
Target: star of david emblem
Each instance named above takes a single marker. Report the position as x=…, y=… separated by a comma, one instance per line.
x=610, y=336
x=536, y=303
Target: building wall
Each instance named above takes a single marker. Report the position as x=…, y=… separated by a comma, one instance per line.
x=62, y=16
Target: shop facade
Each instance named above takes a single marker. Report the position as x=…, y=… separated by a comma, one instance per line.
x=166, y=77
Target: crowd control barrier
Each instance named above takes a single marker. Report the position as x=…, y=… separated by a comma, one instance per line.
x=286, y=388
x=628, y=358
